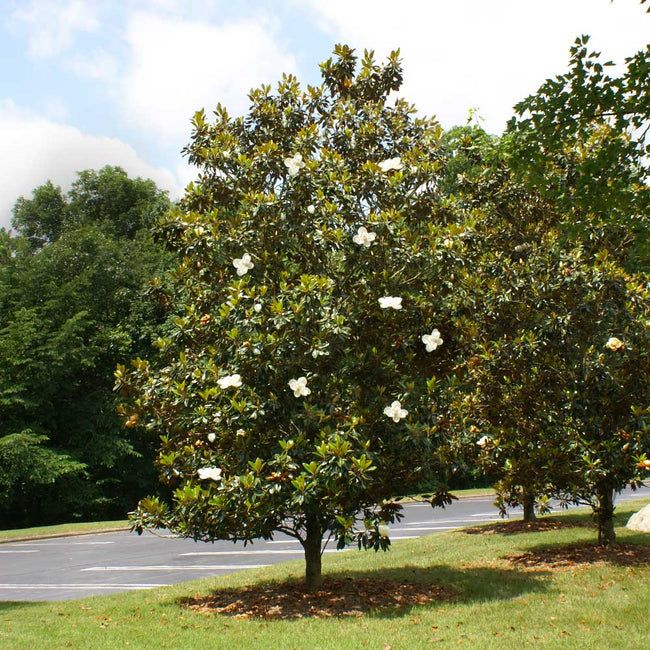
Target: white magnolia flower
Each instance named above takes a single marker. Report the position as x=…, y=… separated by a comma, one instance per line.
x=395, y=411
x=212, y=473
x=294, y=164
x=240, y=433
x=448, y=242
x=364, y=237
x=383, y=530
x=614, y=344
x=390, y=302
x=311, y=209
x=432, y=341
x=212, y=437
x=229, y=380
x=299, y=387
x=390, y=163
x=257, y=307
x=481, y=442
x=199, y=230
x=243, y=264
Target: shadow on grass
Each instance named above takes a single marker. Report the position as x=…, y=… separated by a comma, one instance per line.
x=11, y=605
x=390, y=592
x=631, y=550
x=541, y=525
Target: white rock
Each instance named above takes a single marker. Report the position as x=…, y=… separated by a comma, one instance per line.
x=640, y=520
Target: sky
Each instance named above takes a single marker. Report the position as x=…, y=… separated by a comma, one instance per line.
x=88, y=83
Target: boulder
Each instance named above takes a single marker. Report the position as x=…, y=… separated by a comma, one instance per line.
x=640, y=520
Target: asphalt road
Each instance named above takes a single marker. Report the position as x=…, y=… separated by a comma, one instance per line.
x=75, y=567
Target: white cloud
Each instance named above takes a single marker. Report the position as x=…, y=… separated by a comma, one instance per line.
x=464, y=54
x=34, y=149
x=179, y=66
x=98, y=64
x=51, y=25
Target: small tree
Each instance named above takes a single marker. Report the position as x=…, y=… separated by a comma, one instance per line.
x=297, y=393
x=555, y=385
x=509, y=404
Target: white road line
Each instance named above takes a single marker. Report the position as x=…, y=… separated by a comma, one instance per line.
x=90, y=585
x=284, y=551
x=17, y=551
x=408, y=530
x=392, y=539
x=445, y=521
x=169, y=567
x=48, y=543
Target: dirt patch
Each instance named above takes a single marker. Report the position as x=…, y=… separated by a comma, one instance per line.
x=518, y=527
x=289, y=600
x=569, y=557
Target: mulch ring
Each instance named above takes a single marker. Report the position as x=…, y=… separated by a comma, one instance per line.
x=289, y=600
x=574, y=555
x=518, y=526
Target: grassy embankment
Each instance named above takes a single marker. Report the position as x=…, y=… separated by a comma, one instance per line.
x=497, y=602
x=61, y=530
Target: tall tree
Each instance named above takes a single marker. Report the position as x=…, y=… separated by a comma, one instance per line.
x=583, y=141
x=297, y=390
x=69, y=311
x=555, y=391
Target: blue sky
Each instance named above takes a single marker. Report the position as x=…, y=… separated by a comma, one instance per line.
x=84, y=83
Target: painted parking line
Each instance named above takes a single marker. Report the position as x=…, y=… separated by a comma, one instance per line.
x=90, y=585
x=19, y=551
x=284, y=551
x=408, y=530
x=48, y=544
x=188, y=567
x=445, y=521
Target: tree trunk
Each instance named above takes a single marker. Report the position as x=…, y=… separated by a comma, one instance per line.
x=312, y=547
x=528, y=502
x=605, y=516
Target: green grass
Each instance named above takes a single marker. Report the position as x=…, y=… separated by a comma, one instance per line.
x=461, y=494
x=497, y=605
x=61, y=529
x=474, y=492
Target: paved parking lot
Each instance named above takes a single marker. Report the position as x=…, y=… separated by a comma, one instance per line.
x=75, y=567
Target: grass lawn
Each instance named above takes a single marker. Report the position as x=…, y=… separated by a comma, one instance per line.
x=497, y=602
x=461, y=494
x=61, y=529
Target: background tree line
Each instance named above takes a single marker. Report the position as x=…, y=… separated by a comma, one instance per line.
x=73, y=275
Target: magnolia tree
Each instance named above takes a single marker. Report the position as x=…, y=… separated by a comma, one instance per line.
x=561, y=396
x=298, y=391
x=555, y=387
x=509, y=406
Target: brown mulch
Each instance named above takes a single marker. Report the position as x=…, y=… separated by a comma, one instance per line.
x=289, y=600
x=571, y=556
x=517, y=527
